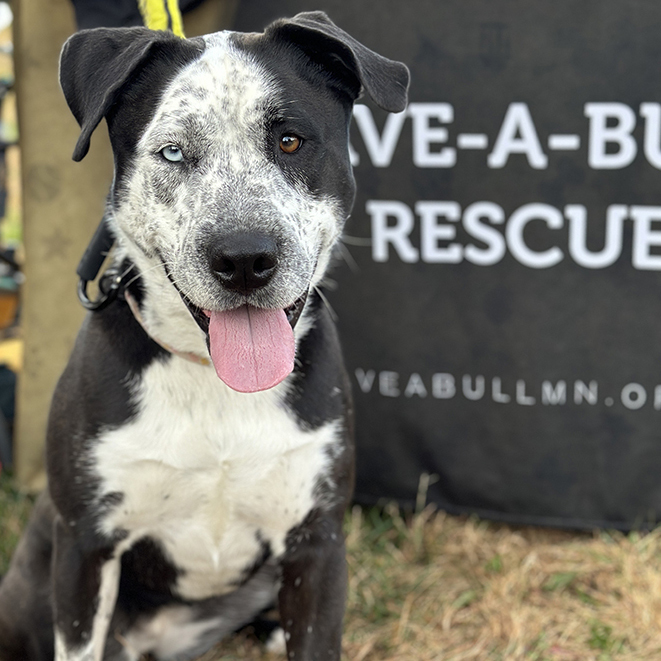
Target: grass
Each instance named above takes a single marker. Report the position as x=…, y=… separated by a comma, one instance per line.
x=434, y=587
x=15, y=508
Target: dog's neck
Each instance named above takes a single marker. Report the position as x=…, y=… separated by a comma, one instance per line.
x=159, y=308
x=135, y=309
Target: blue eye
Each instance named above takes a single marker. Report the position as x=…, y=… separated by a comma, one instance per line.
x=172, y=153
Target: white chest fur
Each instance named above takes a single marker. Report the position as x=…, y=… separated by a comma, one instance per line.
x=210, y=473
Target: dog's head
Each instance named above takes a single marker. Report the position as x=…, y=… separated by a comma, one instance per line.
x=232, y=171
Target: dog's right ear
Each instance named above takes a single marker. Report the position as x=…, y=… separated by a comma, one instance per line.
x=95, y=64
x=354, y=66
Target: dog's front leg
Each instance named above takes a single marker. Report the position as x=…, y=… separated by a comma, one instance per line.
x=85, y=584
x=313, y=592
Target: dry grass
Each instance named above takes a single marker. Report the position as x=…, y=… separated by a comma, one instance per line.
x=435, y=587
x=441, y=587
x=14, y=512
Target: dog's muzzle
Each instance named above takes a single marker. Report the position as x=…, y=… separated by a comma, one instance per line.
x=252, y=348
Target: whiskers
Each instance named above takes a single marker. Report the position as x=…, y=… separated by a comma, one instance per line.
x=363, y=242
x=140, y=274
x=342, y=250
x=326, y=302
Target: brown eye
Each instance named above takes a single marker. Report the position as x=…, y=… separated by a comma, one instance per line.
x=290, y=143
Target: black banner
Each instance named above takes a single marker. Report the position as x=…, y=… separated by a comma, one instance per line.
x=500, y=295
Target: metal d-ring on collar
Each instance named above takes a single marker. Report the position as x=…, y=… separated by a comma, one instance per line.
x=90, y=265
x=110, y=286
x=108, y=290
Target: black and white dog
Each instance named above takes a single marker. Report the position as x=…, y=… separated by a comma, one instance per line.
x=199, y=445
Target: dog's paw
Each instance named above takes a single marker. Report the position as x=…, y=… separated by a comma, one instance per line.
x=276, y=642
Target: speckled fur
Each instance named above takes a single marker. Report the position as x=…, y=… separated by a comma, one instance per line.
x=216, y=111
x=178, y=509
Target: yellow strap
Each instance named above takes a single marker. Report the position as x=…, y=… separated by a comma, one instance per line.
x=162, y=15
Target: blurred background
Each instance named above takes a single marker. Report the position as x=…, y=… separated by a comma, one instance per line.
x=497, y=293
x=497, y=286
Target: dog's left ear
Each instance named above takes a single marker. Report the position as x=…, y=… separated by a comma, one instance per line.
x=96, y=64
x=354, y=66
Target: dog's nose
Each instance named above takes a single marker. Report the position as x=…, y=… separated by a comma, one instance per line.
x=244, y=262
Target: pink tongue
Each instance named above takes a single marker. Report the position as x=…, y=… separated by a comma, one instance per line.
x=252, y=349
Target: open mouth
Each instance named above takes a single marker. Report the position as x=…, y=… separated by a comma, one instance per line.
x=292, y=312
x=252, y=349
